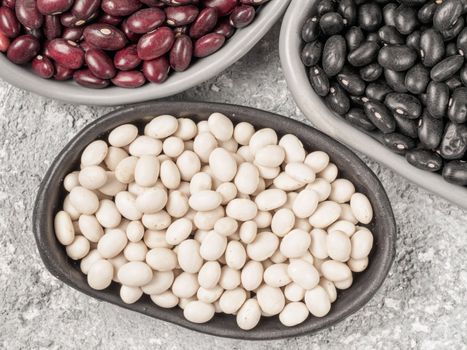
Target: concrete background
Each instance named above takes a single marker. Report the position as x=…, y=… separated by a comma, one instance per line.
x=421, y=305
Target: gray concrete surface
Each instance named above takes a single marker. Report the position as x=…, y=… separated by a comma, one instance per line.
x=421, y=305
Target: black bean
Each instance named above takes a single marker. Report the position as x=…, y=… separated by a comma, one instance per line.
x=457, y=109
x=396, y=80
x=405, y=105
x=430, y=131
x=447, y=13
x=377, y=90
x=354, y=38
x=431, y=47
x=358, y=117
x=463, y=75
x=424, y=159
x=426, y=12
x=319, y=80
x=388, y=14
x=311, y=53
x=412, y=2
x=405, y=19
x=405, y=126
x=397, y=57
x=437, y=99
x=454, y=141
x=398, y=143
x=331, y=23
x=363, y=55
x=451, y=33
x=310, y=29
x=337, y=99
x=390, y=35
x=447, y=68
x=451, y=49
x=325, y=6
x=334, y=53
x=348, y=10
x=370, y=16
x=374, y=37
x=453, y=83
x=413, y=40
x=417, y=79
x=380, y=116
x=462, y=42
x=352, y=83
x=456, y=172
x=371, y=72
x=358, y=100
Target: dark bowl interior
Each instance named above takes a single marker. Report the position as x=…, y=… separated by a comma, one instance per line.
x=51, y=194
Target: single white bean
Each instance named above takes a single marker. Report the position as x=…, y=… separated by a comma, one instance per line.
x=361, y=208
x=135, y=251
x=264, y=246
x=205, y=220
x=86, y=263
x=209, y=295
x=189, y=164
x=295, y=243
x=100, y=274
x=114, y=156
x=145, y=146
x=112, y=243
x=249, y=315
x=293, y=147
x=161, y=127
x=230, y=278
x=173, y=146
x=270, y=299
x=213, y=246
x=341, y=190
x=79, y=248
x=94, y=153
x=63, y=227
x=330, y=288
x=325, y=214
x=305, y=203
x=108, y=214
x=261, y=138
x=161, y=259
x=209, y=274
x=147, y=171
x=270, y=199
x=232, y=300
x=159, y=283
x=329, y=173
x=247, y=178
x=185, y=285
x=123, y=135
x=205, y=200
x=243, y=132
x=178, y=231
x=84, y=200
x=220, y=126
x=166, y=299
x=362, y=242
x=287, y=183
x=270, y=156
x=203, y=145
x=235, y=255
x=242, y=209
x=126, y=205
x=188, y=254
x=317, y=301
x=335, y=270
x=222, y=164
x=198, y=312
x=317, y=161
x=186, y=129
x=130, y=295
x=71, y=181
x=303, y=273
x=293, y=314
x=276, y=275
x=90, y=227
x=358, y=265
x=92, y=177
x=294, y=292
x=157, y=221
x=151, y=201
x=135, y=274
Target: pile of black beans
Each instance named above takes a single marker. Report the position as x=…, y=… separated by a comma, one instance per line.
x=397, y=70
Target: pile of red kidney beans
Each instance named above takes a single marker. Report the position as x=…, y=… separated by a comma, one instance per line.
x=121, y=42
x=397, y=70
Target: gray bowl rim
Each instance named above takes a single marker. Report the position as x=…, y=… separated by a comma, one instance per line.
x=384, y=227
x=335, y=126
x=204, y=69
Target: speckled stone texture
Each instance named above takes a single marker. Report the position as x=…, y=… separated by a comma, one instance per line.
x=421, y=305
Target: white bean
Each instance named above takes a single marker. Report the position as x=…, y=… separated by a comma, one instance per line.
x=161, y=259
x=305, y=203
x=209, y=295
x=205, y=220
x=145, y=145
x=185, y=285
x=303, y=273
x=209, y=274
x=293, y=147
x=114, y=156
x=161, y=127
x=344, y=284
x=157, y=221
x=261, y=138
x=362, y=242
x=228, y=192
x=205, y=200
x=151, y=201
x=317, y=301
x=293, y=314
x=84, y=200
x=198, y=312
x=220, y=126
x=325, y=214
x=318, y=245
x=276, y=275
x=188, y=254
x=335, y=271
x=159, y=283
x=338, y=245
x=88, y=260
x=235, y=255
x=173, y=146
x=186, y=129
x=178, y=231
x=230, y=278
x=213, y=246
x=329, y=173
x=300, y=172
x=361, y=208
x=166, y=299
x=317, y=161
x=294, y=292
x=321, y=187
x=126, y=205
x=100, y=274
x=64, y=228
x=287, y=183
x=112, y=243
x=147, y=171
x=270, y=299
x=242, y=209
x=270, y=156
x=247, y=178
x=79, y=248
x=130, y=295
x=94, y=153
x=92, y=177
x=358, y=265
x=252, y=275
x=295, y=244
x=270, y=199
x=112, y=186
x=264, y=246
x=189, y=164
x=203, y=145
x=343, y=225
x=135, y=251
x=341, y=191
x=222, y=164
x=243, y=132
x=90, y=227
x=232, y=300
x=71, y=180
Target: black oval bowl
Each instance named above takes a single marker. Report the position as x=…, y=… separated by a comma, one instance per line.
x=51, y=194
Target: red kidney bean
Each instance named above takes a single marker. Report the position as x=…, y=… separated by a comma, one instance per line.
x=153, y=3
x=69, y=20
x=145, y=20
x=23, y=49
x=131, y=36
x=53, y=7
x=120, y=7
x=27, y=14
x=156, y=43
x=156, y=71
x=66, y=53
x=127, y=58
x=129, y=79
x=52, y=27
x=181, y=53
x=204, y=23
x=104, y=36
x=181, y=15
x=225, y=28
x=208, y=44
x=254, y=2
x=4, y=42
x=73, y=34
x=223, y=7
x=85, y=78
x=108, y=19
x=179, y=2
x=242, y=16
x=62, y=73
x=9, y=3
x=9, y=25
x=36, y=32
x=100, y=64
x=85, y=9
x=43, y=67
x=85, y=46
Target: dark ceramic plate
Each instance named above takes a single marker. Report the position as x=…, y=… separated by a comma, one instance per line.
x=51, y=194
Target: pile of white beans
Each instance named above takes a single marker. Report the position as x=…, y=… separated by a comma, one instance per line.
x=215, y=218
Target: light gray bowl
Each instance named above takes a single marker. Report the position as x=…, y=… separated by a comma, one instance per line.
x=204, y=69
x=335, y=126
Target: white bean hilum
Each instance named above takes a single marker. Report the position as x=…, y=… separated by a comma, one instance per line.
x=215, y=218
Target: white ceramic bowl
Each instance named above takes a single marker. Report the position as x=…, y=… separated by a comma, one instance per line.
x=335, y=126
x=236, y=47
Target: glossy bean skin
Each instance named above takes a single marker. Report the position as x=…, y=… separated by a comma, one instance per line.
x=62, y=73
x=319, y=80
x=447, y=14
x=181, y=15
x=358, y=117
x=242, y=16
x=337, y=99
x=52, y=27
x=397, y=57
x=310, y=30
x=396, y=80
x=53, y=7
x=380, y=116
x=424, y=159
x=311, y=53
x=371, y=72
x=181, y=53
x=223, y=7
x=204, y=23
x=85, y=78
x=389, y=14
x=430, y=131
x=27, y=14
x=463, y=75
x=457, y=110
x=377, y=91
x=417, y=79
x=9, y=25
x=129, y=79
x=224, y=28
x=413, y=40
x=105, y=37
x=9, y=3
x=354, y=37
x=66, y=53
x=131, y=36
x=437, y=99
x=405, y=19
x=364, y=54
x=127, y=58
x=398, y=143
x=157, y=70
x=100, y=64
x=155, y=44
x=69, y=20
x=85, y=9
x=453, y=83
x=454, y=142
x=426, y=12
x=456, y=172
x=73, y=34
x=352, y=83
x=109, y=19
x=407, y=127
x=334, y=53
x=43, y=67
x=370, y=16
x=451, y=33
x=446, y=68
x=23, y=48
x=4, y=42
x=120, y=7
x=146, y=20
x=431, y=47
x=348, y=10
x=325, y=6
x=208, y=44
x=389, y=35
x=405, y=105
x=461, y=42
x=331, y=23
